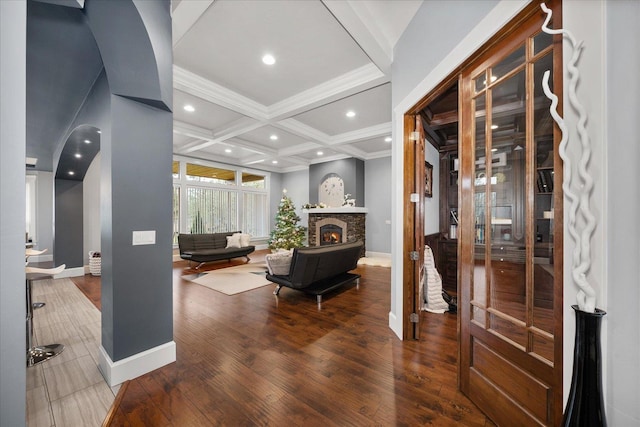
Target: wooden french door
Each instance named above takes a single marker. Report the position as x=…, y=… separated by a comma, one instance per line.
x=510, y=247
x=414, y=184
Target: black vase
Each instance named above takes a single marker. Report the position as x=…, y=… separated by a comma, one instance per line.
x=585, y=407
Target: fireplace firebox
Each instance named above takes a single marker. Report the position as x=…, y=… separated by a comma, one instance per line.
x=330, y=234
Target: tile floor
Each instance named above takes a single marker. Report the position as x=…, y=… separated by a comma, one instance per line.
x=69, y=389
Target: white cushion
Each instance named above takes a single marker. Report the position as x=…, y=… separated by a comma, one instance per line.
x=245, y=240
x=279, y=263
x=233, y=241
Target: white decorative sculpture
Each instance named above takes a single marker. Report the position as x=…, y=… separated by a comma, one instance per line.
x=579, y=204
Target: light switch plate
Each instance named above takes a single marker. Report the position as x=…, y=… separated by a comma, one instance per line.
x=147, y=237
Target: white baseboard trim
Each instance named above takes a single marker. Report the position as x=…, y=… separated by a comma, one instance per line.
x=262, y=246
x=378, y=254
x=134, y=366
x=395, y=326
x=70, y=272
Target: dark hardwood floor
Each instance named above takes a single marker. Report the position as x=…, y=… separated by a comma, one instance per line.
x=257, y=359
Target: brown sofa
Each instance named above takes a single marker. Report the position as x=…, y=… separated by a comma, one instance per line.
x=319, y=269
x=202, y=248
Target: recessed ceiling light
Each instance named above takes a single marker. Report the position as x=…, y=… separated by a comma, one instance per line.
x=269, y=59
x=492, y=79
x=320, y=153
x=275, y=162
x=273, y=137
x=351, y=114
x=189, y=108
x=99, y=131
x=494, y=126
x=78, y=155
x=72, y=173
x=227, y=150
x=86, y=141
x=387, y=139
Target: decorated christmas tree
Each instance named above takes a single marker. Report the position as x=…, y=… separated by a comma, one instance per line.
x=287, y=233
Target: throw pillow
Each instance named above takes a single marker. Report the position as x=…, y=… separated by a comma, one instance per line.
x=279, y=263
x=245, y=240
x=233, y=241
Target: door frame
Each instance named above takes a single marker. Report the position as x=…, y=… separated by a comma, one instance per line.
x=507, y=23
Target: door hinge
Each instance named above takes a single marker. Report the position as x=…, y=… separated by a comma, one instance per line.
x=414, y=255
x=413, y=317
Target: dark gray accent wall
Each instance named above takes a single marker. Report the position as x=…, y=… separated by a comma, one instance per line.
x=68, y=240
x=350, y=170
x=56, y=84
x=137, y=310
x=378, y=194
x=13, y=15
x=135, y=33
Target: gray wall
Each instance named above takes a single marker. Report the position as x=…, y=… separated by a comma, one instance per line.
x=68, y=241
x=378, y=194
x=350, y=170
x=623, y=205
x=13, y=15
x=436, y=28
x=91, y=209
x=297, y=185
x=275, y=192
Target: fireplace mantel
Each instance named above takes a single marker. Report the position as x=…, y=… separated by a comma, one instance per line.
x=341, y=210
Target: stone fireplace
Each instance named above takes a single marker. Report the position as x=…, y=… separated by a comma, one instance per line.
x=329, y=226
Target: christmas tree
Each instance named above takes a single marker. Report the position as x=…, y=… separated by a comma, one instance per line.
x=287, y=234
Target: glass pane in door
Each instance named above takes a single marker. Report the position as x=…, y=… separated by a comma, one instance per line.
x=543, y=271
x=479, y=290
x=507, y=183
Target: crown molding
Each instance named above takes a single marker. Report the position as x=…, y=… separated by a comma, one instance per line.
x=367, y=35
x=184, y=17
x=379, y=154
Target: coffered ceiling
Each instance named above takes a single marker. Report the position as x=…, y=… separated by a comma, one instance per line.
x=331, y=57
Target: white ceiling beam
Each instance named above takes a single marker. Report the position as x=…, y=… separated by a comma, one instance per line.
x=299, y=149
x=362, y=28
x=298, y=128
x=383, y=129
x=355, y=81
x=186, y=15
x=193, y=84
x=232, y=130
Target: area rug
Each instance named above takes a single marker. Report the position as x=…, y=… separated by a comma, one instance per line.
x=232, y=280
x=375, y=261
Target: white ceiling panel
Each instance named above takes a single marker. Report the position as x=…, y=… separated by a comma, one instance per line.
x=373, y=145
x=372, y=107
x=227, y=43
x=263, y=135
x=206, y=115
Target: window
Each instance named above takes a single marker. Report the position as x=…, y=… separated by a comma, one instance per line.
x=210, y=174
x=210, y=198
x=176, y=212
